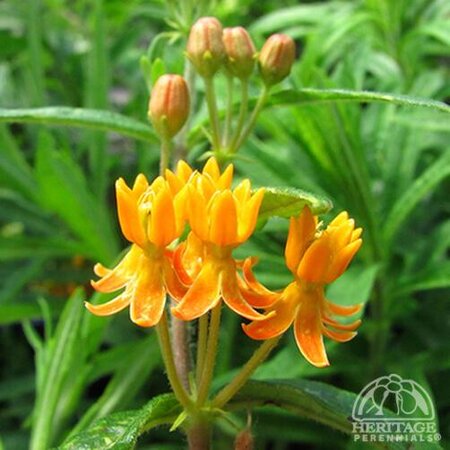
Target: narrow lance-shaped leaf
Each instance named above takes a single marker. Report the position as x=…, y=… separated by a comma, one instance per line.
x=421, y=187
x=80, y=117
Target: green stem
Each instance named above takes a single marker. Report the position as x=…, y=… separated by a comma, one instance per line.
x=201, y=345
x=213, y=113
x=229, y=112
x=242, y=115
x=166, y=149
x=162, y=330
x=211, y=352
x=228, y=392
x=251, y=123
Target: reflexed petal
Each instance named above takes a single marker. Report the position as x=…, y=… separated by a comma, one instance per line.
x=127, y=210
x=341, y=261
x=314, y=264
x=345, y=311
x=339, y=336
x=119, y=276
x=339, y=326
x=162, y=224
x=149, y=296
x=198, y=217
x=232, y=296
x=256, y=299
x=308, y=332
x=100, y=270
x=173, y=284
x=223, y=217
x=202, y=296
x=113, y=306
x=285, y=311
x=249, y=215
x=177, y=261
x=251, y=280
x=301, y=233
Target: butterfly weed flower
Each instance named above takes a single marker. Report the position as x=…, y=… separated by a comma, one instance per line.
x=151, y=218
x=315, y=258
x=221, y=219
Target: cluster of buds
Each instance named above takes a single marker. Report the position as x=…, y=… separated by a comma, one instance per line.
x=211, y=47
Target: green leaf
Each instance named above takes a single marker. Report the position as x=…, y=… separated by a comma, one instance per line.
x=120, y=431
x=64, y=191
x=80, y=117
x=141, y=358
x=53, y=365
x=311, y=95
x=309, y=399
x=415, y=193
x=287, y=202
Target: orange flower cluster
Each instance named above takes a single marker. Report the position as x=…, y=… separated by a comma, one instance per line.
x=200, y=271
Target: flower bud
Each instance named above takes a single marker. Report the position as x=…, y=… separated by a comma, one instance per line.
x=205, y=47
x=169, y=105
x=276, y=58
x=240, y=52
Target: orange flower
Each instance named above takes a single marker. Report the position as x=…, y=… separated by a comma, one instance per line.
x=315, y=259
x=221, y=219
x=151, y=217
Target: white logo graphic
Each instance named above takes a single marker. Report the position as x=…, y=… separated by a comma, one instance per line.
x=391, y=409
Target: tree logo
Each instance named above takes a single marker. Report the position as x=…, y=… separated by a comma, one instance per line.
x=391, y=409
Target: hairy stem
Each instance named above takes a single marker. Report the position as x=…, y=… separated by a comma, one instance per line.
x=201, y=346
x=162, y=330
x=211, y=352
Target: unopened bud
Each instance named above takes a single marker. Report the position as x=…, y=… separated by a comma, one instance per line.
x=240, y=52
x=276, y=58
x=205, y=48
x=169, y=105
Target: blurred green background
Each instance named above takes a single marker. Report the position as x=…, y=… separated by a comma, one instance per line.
x=388, y=165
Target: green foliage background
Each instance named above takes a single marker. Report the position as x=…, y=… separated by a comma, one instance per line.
x=384, y=158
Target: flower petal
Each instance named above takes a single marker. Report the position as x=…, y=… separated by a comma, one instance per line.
x=226, y=178
x=149, y=296
x=117, y=278
x=339, y=326
x=339, y=336
x=284, y=314
x=301, y=233
x=198, y=217
x=232, y=295
x=343, y=310
x=308, y=331
x=162, y=224
x=202, y=296
x=341, y=261
x=177, y=261
x=211, y=168
x=223, y=217
x=249, y=215
x=314, y=265
x=127, y=210
x=113, y=306
x=173, y=284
